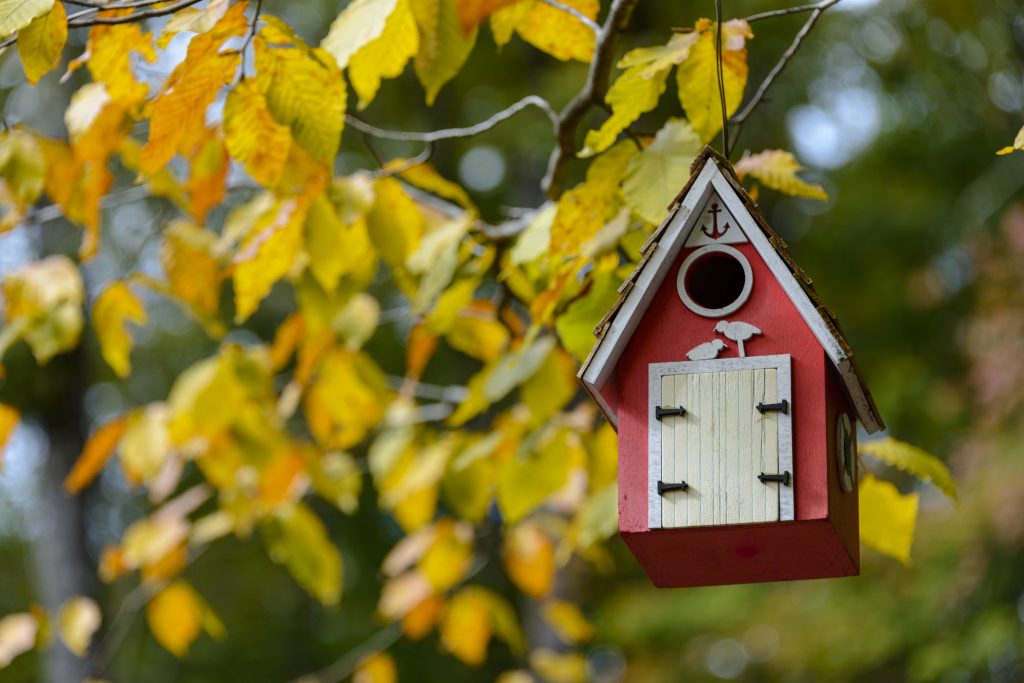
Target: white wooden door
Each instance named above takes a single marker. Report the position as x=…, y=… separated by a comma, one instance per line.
x=722, y=442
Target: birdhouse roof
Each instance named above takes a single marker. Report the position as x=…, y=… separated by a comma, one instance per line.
x=711, y=172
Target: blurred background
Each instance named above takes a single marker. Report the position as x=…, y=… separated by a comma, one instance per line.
x=896, y=106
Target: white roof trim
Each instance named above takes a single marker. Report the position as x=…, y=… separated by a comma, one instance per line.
x=681, y=223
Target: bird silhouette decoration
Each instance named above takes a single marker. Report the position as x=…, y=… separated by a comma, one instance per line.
x=738, y=332
x=707, y=351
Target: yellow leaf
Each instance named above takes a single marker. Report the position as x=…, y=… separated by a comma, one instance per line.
x=95, y=454
x=149, y=540
x=568, y=622
x=146, y=444
x=528, y=480
x=558, y=33
x=504, y=21
x=23, y=169
x=466, y=627
x=530, y=559
x=912, y=459
x=176, y=615
x=597, y=520
x=178, y=114
x=79, y=618
x=209, y=165
x=17, y=636
x=468, y=485
x=777, y=169
x=304, y=89
x=253, y=137
x=110, y=53
x=386, y=55
x=194, y=20
x=551, y=387
x=656, y=174
x=450, y=554
x=9, y=419
x=193, y=272
x=637, y=89
x=478, y=333
x=559, y=667
x=377, y=668
x=361, y=22
x=346, y=400
x=473, y=12
x=41, y=42
x=583, y=210
x=444, y=47
x=697, y=77
x=887, y=518
x=336, y=478
x=420, y=619
x=1018, y=144
x=426, y=177
x=17, y=14
x=332, y=247
x=395, y=223
x=43, y=302
x=298, y=540
x=267, y=255
x=114, y=307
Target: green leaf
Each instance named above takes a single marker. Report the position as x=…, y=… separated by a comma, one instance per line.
x=887, y=518
x=575, y=327
x=912, y=460
x=655, y=175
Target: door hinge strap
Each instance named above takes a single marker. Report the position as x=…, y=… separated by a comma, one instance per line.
x=665, y=411
x=781, y=407
x=663, y=487
x=785, y=478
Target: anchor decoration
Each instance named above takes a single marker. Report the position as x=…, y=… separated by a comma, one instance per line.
x=715, y=233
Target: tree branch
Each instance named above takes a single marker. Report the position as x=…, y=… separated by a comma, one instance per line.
x=451, y=133
x=135, y=16
x=592, y=93
x=785, y=11
x=583, y=18
x=798, y=39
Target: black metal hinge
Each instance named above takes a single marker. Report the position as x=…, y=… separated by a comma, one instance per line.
x=663, y=487
x=781, y=407
x=785, y=478
x=662, y=411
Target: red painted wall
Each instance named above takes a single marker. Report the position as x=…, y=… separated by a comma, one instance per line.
x=669, y=330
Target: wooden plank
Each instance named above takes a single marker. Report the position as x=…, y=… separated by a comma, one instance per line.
x=771, y=441
x=679, y=504
x=733, y=495
x=707, y=449
x=693, y=453
x=787, y=497
x=668, y=444
x=757, y=450
x=746, y=476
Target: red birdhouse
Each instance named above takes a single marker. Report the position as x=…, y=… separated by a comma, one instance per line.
x=735, y=397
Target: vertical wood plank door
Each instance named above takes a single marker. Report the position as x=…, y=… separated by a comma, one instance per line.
x=719, y=447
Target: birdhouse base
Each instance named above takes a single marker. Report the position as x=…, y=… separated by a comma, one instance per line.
x=743, y=553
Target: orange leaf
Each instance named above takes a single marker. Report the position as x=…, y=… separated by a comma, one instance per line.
x=95, y=455
x=472, y=12
x=9, y=418
x=530, y=559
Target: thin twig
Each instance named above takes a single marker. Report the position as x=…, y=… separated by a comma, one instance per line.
x=785, y=11
x=252, y=32
x=721, y=79
x=816, y=13
x=135, y=16
x=451, y=133
x=421, y=158
x=592, y=93
x=583, y=18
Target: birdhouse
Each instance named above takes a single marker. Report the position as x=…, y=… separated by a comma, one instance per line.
x=736, y=400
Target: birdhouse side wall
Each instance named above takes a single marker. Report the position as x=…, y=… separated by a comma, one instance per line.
x=843, y=506
x=668, y=330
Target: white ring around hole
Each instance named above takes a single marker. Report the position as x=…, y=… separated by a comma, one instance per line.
x=696, y=255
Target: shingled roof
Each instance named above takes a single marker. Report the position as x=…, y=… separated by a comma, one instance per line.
x=709, y=172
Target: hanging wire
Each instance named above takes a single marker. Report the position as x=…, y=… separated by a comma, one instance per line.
x=721, y=80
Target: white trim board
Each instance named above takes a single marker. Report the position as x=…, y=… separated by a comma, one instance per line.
x=710, y=180
x=780, y=363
